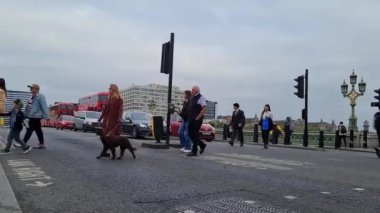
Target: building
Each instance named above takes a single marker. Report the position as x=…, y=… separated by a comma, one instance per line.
x=13, y=95
x=151, y=98
x=210, y=110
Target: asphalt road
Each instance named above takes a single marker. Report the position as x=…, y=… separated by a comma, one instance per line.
x=66, y=177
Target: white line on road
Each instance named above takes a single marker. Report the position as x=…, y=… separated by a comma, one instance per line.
x=358, y=189
x=290, y=197
x=325, y=193
x=26, y=170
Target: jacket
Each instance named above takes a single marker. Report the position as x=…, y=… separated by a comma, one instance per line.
x=183, y=113
x=16, y=119
x=237, y=118
x=37, y=107
x=2, y=101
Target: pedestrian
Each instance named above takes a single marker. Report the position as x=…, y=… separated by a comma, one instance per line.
x=16, y=121
x=266, y=123
x=289, y=126
x=111, y=117
x=183, y=133
x=35, y=111
x=3, y=98
x=237, y=124
x=195, y=113
x=342, y=134
x=376, y=124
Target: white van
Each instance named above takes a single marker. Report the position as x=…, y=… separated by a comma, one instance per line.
x=86, y=120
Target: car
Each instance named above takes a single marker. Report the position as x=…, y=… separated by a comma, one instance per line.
x=207, y=132
x=136, y=124
x=65, y=122
x=86, y=120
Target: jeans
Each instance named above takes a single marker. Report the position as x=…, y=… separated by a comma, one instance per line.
x=193, y=130
x=265, y=134
x=34, y=125
x=14, y=135
x=184, y=138
x=342, y=137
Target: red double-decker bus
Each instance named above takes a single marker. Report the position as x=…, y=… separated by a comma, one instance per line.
x=94, y=102
x=55, y=111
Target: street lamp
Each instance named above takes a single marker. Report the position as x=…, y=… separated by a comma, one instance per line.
x=353, y=95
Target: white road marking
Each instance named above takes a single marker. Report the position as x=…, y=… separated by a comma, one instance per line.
x=39, y=184
x=358, y=189
x=253, y=161
x=189, y=211
x=26, y=170
x=325, y=193
x=250, y=201
x=290, y=197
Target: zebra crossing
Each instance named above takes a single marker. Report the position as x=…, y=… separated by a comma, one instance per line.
x=254, y=161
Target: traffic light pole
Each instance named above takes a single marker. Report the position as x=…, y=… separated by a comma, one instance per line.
x=306, y=129
x=170, y=88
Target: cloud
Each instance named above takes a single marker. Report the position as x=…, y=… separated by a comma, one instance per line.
x=237, y=51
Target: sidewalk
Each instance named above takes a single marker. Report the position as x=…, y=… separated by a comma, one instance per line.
x=8, y=201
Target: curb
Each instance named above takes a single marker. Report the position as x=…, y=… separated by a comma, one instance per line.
x=8, y=201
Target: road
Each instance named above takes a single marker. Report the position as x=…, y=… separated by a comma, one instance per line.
x=66, y=177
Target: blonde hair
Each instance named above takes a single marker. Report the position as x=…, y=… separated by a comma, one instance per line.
x=114, y=93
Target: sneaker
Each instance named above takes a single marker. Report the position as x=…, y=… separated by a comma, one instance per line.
x=192, y=154
x=187, y=151
x=26, y=150
x=3, y=152
x=231, y=143
x=17, y=146
x=203, y=149
x=41, y=146
x=182, y=149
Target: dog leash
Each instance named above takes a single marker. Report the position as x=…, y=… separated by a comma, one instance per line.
x=114, y=128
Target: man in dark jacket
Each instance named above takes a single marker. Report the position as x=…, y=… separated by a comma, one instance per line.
x=237, y=123
x=16, y=120
x=195, y=115
x=377, y=127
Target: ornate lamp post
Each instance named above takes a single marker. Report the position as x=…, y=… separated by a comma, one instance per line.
x=353, y=95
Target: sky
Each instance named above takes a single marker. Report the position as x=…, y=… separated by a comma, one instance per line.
x=237, y=51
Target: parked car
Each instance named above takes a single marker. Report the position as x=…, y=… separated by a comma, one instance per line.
x=207, y=132
x=86, y=120
x=65, y=122
x=136, y=124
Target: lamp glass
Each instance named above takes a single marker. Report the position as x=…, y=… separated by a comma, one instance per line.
x=344, y=88
x=362, y=86
x=353, y=78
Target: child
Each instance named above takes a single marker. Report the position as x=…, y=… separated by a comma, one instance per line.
x=16, y=121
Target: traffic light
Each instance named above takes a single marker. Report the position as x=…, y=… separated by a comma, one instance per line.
x=300, y=87
x=166, y=58
x=376, y=104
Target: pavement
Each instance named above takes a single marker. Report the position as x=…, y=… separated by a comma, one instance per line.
x=66, y=177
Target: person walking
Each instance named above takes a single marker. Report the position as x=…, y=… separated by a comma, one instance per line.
x=16, y=121
x=376, y=125
x=266, y=123
x=183, y=133
x=35, y=111
x=111, y=117
x=342, y=135
x=195, y=113
x=3, y=98
x=237, y=123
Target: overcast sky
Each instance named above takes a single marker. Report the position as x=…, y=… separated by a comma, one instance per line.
x=236, y=51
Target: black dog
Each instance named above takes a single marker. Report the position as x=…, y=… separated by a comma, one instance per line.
x=112, y=142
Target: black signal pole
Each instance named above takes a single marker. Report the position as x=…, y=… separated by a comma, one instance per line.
x=306, y=129
x=170, y=88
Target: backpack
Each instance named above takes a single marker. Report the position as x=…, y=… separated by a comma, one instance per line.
x=343, y=129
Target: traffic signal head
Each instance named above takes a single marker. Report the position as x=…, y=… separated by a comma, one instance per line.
x=300, y=87
x=377, y=103
x=166, y=58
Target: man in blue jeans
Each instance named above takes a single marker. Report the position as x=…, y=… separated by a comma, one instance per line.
x=35, y=111
x=184, y=138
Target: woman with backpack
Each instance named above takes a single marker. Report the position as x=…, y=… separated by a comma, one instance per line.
x=266, y=123
x=342, y=135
